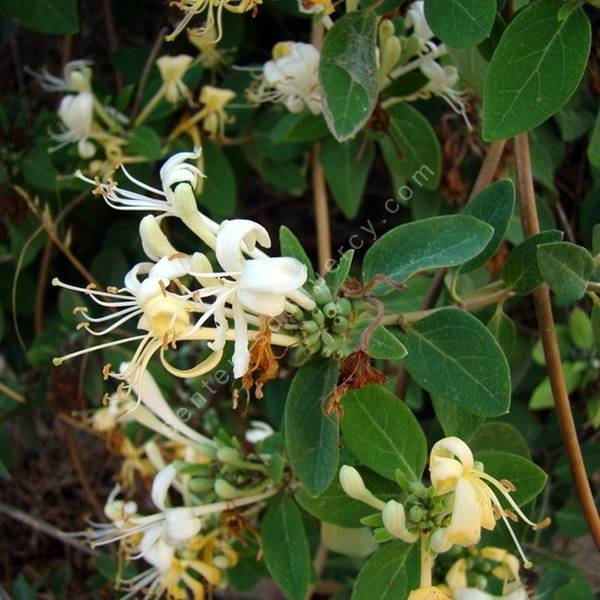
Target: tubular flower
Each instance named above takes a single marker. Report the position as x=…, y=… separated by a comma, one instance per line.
x=260, y=285
x=205, y=39
x=353, y=485
x=291, y=77
x=428, y=593
x=77, y=75
x=76, y=112
x=191, y=8
x=172, y=69
x=214, y=117
x=415, y=19
x=475, y=503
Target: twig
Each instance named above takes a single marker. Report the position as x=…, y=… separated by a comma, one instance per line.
x=564, y=221
x=321, y=211
x=81, y=475
x=11, y=393
x=545, y=318
x=488, y=169
x=40, y=291
x=111, y=34
x=158, y=42
x=43, y=527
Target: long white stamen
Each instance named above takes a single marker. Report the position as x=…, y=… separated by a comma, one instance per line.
x=141, y=184
x=114, y=325
x=527, y=564
x=110, y=316
x=58, y=360
x=58, y=283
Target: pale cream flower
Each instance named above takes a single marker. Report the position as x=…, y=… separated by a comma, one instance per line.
x=213, y=114
x=415, y=19
x=77, y=75
x=172, y=69
x=77, y=113
x=291, y=77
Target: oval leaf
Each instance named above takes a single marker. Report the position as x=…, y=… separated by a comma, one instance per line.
x=390, y=574
x=426, y=244
x=383, y=433
x=421, y=160
x=535, y=69
x=452, y=355
x=348, y=73
x=461, y=23
x=311, y=436
x=494, y=206
x=566, y=268
x=285, y=547
x=46, y=16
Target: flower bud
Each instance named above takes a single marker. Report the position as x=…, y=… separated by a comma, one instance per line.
x=310, y=326
x=228, y=456
x=330, y=310
x=225, y=490
x=352, y=483
x=394, y=520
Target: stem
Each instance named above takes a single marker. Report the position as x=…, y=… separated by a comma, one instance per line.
x=216, y=507
x=321, y=211
x=149, y=107
x=489, y=166
x=426, y=562
x=545, y=318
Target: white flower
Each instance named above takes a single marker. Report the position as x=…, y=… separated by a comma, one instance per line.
x=292, y=77
x=76, y=78
x=415, y=18
x=76, y=112
x=260, y=285
x=172, y=69
x=475, y=504
x=260, y=431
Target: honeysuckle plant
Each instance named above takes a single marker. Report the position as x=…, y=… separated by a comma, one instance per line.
x=318, y=304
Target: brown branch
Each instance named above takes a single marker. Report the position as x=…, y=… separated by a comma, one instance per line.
x=43, y=527
x=321, y=210
x=111, y=35
x=545, y=318
x=488, y=169
x=42, y=285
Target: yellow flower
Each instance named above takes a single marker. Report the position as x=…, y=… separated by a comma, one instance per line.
x=172, y=69
x=215, y=117
x=475, y=504
x=428, y=593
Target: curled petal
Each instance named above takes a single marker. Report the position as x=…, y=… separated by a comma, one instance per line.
x=273, y=275
x=154, y=241
x=161, y=484
x=453, y=447
x=235, y=237
x=465, y=523
x=132, y=281
x=201, y=368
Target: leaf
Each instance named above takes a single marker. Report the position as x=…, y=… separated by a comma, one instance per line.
x=566, y=268
x=596, y=322
x=348, y=73
x=219, y=193
x=504, y=330
x=494, y=206
x=461, y=23
x=285, y=547
x=311, y=436
x=385, y=345
x=300, y=127
x=593, y=150
x=580, y=328
x=290, y=246
x=543, y=398
x=337, y=274
x=46, y=16
x=471, y=65
x=426, y=244
x=38, y=170
x=144, y=141
x=454, y=420
x=501, y=437
x=390, y=574
x=535, y=69
x=526, y=476
x=335, y=506
x=383, y=433
x=421, y=159
x=521, y=272
x=346, y=175
x=452, y=355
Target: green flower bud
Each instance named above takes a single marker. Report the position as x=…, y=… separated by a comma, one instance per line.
x=344, y=306
x=327, y=339
x=330, y=310
x=310, y=339
x=310, y=326
x=418, y=489
x=318, y=317
x=321, y=293
x=340, y=325
x=416, y=514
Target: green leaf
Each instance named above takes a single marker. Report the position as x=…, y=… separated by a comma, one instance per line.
x=38, y=170
x=346, y=168
x=461, y=23
x=596, y=322
x=144, y=141
x=535, y=69
x=426, y=244
x=542, y=397
x=526, y=476
x=285, y=547
x=383, y=433
x=300, y=127
x=46, y=16
x=454, y=420
x=311, y=436
x=521, y=272
x=385, y=345
x=580, y=328
x=566, y=268
x=291, y=246
x=421, y=158
x=452, y=355
x=593, y=150
x=493, y=206
x=335, y=506
x=504, y=330
x=337, y=275
x=500, y=437
x=348, y=73
x=390, y=574
x=471, y=65
x=220, y=188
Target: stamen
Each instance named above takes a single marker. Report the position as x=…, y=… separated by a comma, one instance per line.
x=82, y=325
x=510, y=487
x=106, y=371
x=58, y=360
